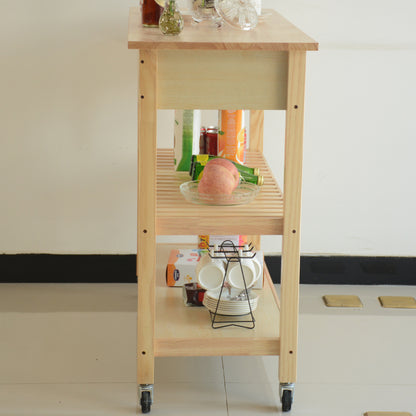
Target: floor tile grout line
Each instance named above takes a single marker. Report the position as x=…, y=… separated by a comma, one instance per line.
x=225, y=386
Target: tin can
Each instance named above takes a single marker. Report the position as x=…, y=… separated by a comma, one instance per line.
x=203, y=141
x=212, y=140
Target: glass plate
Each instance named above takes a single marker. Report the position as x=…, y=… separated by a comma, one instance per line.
x=243, y=194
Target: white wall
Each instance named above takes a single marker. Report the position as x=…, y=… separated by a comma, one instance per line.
x=68, y=127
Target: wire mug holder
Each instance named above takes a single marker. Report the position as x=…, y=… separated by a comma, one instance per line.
x=231, y=253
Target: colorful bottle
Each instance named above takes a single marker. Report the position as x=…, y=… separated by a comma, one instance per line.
x=203, y=159
x=198, y=168
x=232, y=135
x=187, y=134
x=204, y=241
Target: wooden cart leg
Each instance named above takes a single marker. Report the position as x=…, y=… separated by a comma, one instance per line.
x=256, y=145
x=292, y=210
x=146, y=205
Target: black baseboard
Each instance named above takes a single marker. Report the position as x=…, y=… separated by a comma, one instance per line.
x=351, y=270
x=342, y=270
x=67, y=268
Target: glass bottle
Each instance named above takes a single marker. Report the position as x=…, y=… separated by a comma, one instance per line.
x=171, y=21
x=151, y=12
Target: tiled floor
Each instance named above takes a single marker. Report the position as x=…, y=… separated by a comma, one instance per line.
x=70, y=350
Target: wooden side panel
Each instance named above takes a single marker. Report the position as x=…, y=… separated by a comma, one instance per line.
x=146, y=205
x=256, y=145
x=213, y=79
x=291, y=220
x=197, y=347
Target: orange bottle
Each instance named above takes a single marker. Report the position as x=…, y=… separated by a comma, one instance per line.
x=232, y=135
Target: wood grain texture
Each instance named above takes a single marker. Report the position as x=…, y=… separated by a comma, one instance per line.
x=187, y=331
x=212, y=79
x=291, y=222
x=176, y=216
x=146, y=216
x=256, y=145
x=274, y=33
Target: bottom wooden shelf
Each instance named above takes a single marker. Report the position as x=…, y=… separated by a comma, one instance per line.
x=187, y=331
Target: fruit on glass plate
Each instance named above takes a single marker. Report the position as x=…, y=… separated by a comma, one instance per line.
x=216, y=180
x=226, y=164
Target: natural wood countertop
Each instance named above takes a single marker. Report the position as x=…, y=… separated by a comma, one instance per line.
x=274, y=32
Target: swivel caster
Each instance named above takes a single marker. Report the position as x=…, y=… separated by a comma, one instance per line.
x=146, y=397
x=286, y=396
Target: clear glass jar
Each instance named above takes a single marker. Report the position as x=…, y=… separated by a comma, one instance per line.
x=171, y=21
x=203, y=10
x=240, y=14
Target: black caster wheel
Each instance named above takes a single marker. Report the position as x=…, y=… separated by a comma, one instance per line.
x=287, y=400
x=145, y=402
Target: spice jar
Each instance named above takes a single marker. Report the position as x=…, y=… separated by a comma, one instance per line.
x=151, y=12
x=171, y=21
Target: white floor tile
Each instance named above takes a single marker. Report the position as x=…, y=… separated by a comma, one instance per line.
x=319, y=399
x=359, y=349
x=71, y=350
x=190, y=399
x=189, y=369
x=101, y=399
x=67, y=347
x=252, y=369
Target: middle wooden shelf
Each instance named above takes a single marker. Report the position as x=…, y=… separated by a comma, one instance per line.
x=176, y=216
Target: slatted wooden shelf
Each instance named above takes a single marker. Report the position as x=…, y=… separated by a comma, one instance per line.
x=176, y=216
x=187, y=331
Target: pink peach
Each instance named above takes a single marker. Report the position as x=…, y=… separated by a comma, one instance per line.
x=216, y=180
x=226, y=164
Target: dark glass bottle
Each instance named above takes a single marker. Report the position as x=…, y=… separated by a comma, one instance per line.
x=151, y=13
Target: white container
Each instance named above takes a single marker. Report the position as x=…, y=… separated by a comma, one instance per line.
x=210, y=272
x=235, y=275
x=258, y=265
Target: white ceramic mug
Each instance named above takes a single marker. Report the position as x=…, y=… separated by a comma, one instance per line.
x=210, y=272
x=258, y=266
x=235, y=276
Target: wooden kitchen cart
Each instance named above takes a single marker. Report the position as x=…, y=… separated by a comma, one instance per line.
x=205, y=68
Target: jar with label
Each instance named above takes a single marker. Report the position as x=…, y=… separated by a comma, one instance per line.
x=151, y=12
